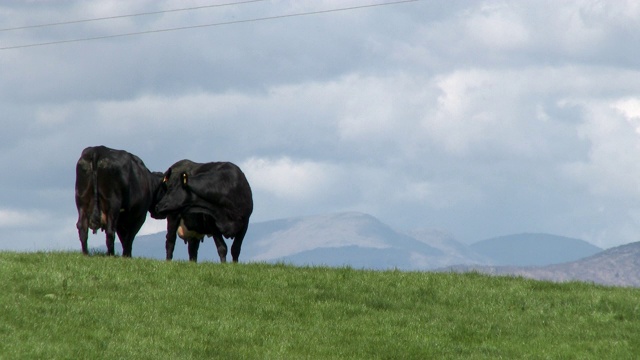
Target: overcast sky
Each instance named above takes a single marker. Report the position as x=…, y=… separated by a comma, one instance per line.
x=479, y=118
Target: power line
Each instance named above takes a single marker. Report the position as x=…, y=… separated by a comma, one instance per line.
x=208, y=25
x=126, y=16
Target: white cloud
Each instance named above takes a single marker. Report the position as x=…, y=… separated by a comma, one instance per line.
x=630, y=108
x=32, y=229
x=498, y=27
x=612, y=167
x=459, y=114
x=447, y=194
x=11, y=218
x=152, y=226
x=379, y=109
x=288, y=179
x=457, y=123
x=485, y=112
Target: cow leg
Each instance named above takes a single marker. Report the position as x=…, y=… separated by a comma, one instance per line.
x=169, y=246
x=194, y=245
x=127, y=243
x=111, y=215
x=221, y=245
x=83, y=231
x=125, y=239
x=110, y=241
x=172, y=227
x=126, y=247
x=127, y=230
x=237, y=243
x=110, y=231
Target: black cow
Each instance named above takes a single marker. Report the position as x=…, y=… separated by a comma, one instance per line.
x=212, y=199
x=114, y=191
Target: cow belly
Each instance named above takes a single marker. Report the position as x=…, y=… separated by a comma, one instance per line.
x=184, y=233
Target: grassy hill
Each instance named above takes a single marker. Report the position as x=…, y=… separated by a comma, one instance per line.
x=64, y=305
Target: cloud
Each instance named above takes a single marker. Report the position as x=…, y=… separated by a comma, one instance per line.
x=630, y=108
x=34, y=229
x=152, y=226
x=11, y=218
x=284, y=178
x=498, y=27
x=479, y=118
x=611, y=168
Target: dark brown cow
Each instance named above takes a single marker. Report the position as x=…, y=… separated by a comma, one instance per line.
x=212, y=199
x=114, y=191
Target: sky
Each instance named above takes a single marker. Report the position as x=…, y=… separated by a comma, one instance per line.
x=478, y=118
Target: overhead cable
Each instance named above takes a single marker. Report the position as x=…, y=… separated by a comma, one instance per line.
x=126, y=16
x=208, y=25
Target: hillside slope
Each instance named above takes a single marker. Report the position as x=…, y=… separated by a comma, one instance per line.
x=533, y=249
x=619, y=266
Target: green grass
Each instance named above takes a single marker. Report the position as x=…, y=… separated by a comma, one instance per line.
x=67, y=306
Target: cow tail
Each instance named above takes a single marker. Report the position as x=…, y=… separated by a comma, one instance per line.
x=94, y=221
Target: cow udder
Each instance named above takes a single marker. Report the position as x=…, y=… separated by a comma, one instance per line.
x=184, y=233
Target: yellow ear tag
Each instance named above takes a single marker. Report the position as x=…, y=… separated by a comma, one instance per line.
x=184, y=178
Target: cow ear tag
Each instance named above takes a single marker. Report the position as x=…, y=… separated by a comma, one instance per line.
x=184, y=179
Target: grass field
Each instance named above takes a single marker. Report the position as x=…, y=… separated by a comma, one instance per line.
x=67, y=306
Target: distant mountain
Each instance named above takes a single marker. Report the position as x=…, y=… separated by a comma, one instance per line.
x=533, y=249
x=362, y=241
x=454, y=251
x=353, y=239
x=619, y=266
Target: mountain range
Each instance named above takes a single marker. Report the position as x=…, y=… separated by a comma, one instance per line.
x=362, y=241
x=533, y=249
x=619, y=266
x=345, y=239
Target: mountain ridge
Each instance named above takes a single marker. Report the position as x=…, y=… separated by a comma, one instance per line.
x=361, y=241
x=618, y=266
x=533, y=249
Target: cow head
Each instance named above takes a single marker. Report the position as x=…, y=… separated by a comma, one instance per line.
x=158, y=191
x=175, y=193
